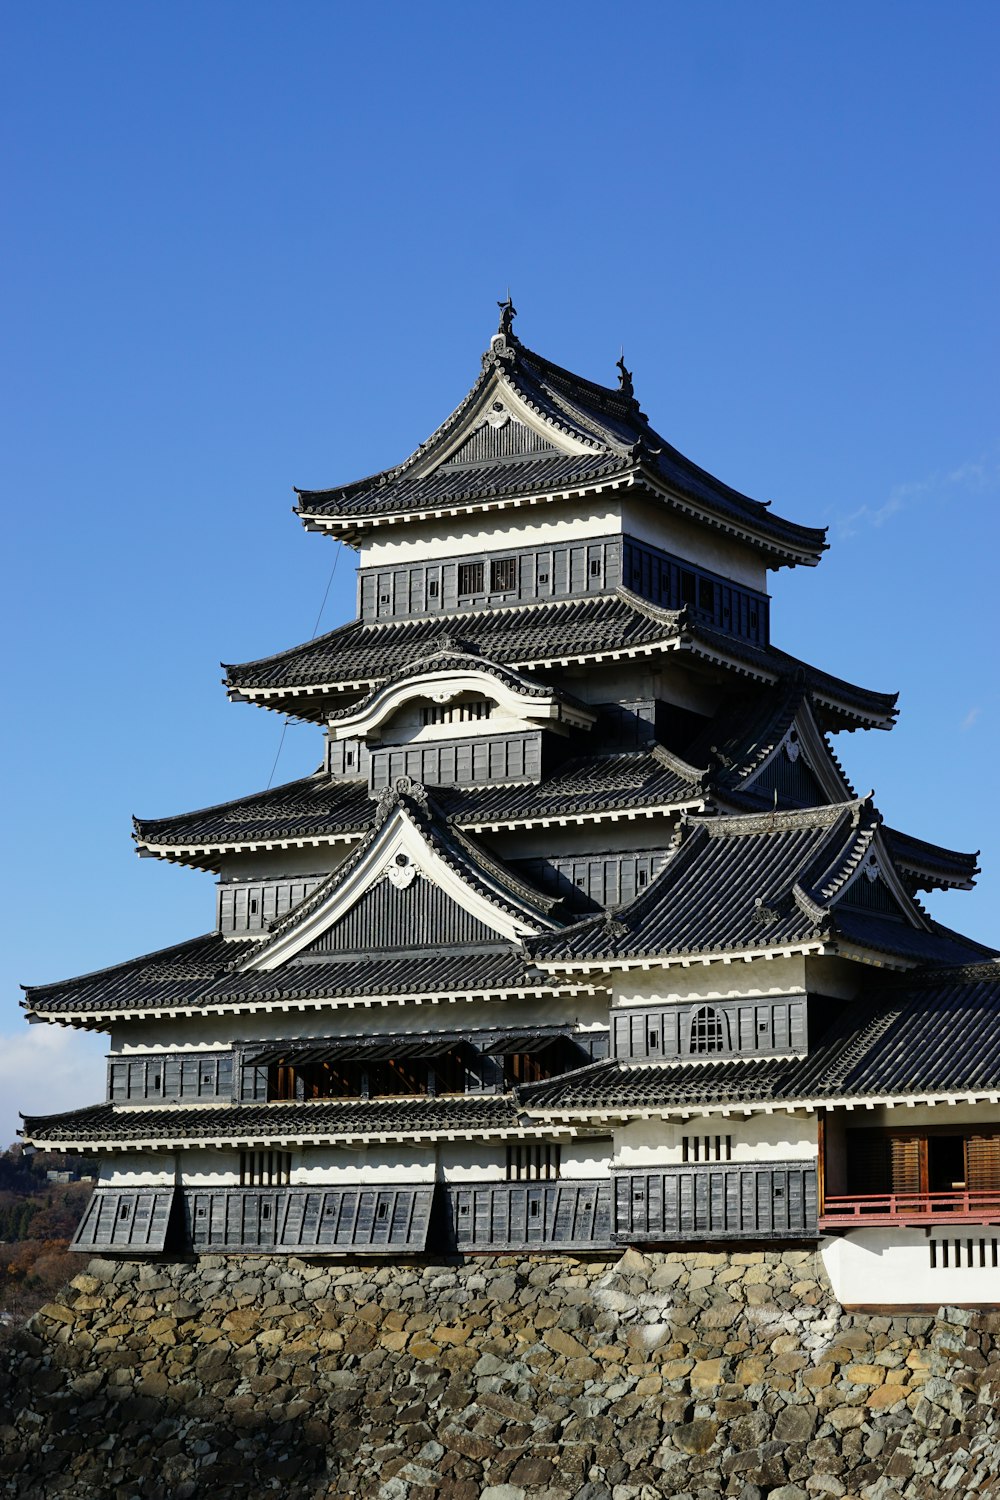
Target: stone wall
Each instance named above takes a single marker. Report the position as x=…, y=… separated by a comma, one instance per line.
x=670, y=1374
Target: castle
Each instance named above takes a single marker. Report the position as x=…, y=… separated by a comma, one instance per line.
x=580, y=937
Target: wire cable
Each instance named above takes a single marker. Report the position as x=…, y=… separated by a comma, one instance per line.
x=315, y=632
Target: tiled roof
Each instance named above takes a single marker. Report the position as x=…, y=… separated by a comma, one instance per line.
x=407, y=974
x=167, y=977
x=930, y=867
x=532, y=475
x=617, y=441
x=631, y=779
x=925, y=1035
x=313, y=807
x=363, y=653
x=245, y=1123
x=764, y=882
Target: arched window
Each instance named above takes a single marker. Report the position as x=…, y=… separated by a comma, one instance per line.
x=709, y=1032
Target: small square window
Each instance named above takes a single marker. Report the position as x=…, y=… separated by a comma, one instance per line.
x=534, y=1209
x=595, y=567
x=543, y=578
x=382, y=1212
x=432, y=589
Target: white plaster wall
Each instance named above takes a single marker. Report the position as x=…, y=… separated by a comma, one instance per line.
x=531, y=526
x=714, y=981
x=212, y=1033
x=586, y=1158
x=839, y=977
x=326, y=1166
x=598, y=839
x=135, y=1169
x=651, y=522
x=320, y=859
x=669, y=678
x=472, y=1161
x=755, y=1138
x=559, y=521
x=210, y=1167
x=891, y=1267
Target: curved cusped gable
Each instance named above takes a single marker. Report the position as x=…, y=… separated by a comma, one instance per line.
x=446, y=676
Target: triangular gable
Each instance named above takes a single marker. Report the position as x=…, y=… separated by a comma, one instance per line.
x=877, y=887
x=398, y=890
x=801, y=768
x=501, y=436
x=498, y=423
x=417, y=915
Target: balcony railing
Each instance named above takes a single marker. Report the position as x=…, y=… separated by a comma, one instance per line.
x=910, y=1208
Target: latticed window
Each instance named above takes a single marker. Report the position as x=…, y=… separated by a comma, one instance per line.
x=503, y=575
x=708, y=1030
x=470, y=579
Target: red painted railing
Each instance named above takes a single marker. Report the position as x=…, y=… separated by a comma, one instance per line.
x=911, y=1208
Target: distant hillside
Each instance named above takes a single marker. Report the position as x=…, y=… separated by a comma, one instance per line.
x=38, y=1218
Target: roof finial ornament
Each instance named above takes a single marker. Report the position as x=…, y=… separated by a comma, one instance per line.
x=508, y=312
x=625, y=378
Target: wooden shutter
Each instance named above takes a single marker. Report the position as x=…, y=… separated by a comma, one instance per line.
x=982, y=1163
x=905, y=1160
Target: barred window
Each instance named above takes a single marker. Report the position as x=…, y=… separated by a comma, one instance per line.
x=503, y=575
x=532, y=1163
x=265, y=1168
x=706, y=1148
x=708, y=1030
x=456, y=713
x=470, y=579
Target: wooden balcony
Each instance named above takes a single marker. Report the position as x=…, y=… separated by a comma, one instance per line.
x=857, y=1210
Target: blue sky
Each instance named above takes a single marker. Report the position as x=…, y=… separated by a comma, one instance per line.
x=249, y=246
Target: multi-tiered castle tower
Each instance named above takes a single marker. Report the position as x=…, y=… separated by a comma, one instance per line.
x=580, y=936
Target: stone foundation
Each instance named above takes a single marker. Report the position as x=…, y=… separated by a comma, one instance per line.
x=633, y=1378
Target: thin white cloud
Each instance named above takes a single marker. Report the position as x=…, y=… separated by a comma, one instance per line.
x=970, y=718
x=977, y=475
x=44, y=1070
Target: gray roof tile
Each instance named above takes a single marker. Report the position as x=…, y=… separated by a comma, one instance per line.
x=322, y=1119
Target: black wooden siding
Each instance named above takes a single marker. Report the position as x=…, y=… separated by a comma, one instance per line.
x=248, y=906
x=193, y=1075
x=421, y=915
x=577, y=568
x=765, y=1200
x=748, y=1028
x=461, y=762
x=133, y=1219
x=677, y=584
x=511, y=440
x=572, y=570
x=791, y=779
x=358, y=1219
x=349, y=759
x=562, y=1215
x=588, y=881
